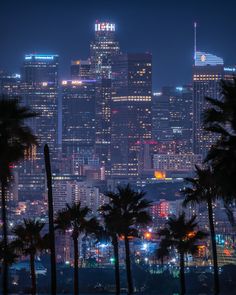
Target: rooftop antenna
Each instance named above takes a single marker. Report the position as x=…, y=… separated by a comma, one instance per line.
x=195, y=41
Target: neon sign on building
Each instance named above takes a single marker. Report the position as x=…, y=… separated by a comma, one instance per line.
x=105, y=27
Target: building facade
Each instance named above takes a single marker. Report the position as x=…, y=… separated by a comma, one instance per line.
x=131, y=111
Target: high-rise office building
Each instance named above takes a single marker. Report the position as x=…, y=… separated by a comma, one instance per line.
x=161, y=131
x=10, y=84
x=229, y=73
x=131, y=111
x=39, y=90
x=208, y=70
x=172, y=117
x=103, y=122
x=103, y=48
x=80, y=69
x=78, y=115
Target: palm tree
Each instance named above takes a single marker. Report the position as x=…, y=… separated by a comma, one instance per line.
x=220, y=118
x=132, y=209
x=29, y=241
x=203, y=189
x=182, y=235
x=76, y=218
x=51, y=221
x=15, y=139
x=111, y=216
x=161, y=253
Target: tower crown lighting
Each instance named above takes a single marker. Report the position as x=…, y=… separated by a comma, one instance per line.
x=105, y=26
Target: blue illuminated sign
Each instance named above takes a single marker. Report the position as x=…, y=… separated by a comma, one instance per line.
x=39, y=57
x=230, y=69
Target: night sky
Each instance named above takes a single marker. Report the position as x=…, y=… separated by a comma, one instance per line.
x=164, y=28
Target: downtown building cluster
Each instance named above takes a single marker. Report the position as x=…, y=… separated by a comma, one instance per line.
x=106, y=126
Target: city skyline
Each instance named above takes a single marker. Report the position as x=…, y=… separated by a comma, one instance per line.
x=171, y=47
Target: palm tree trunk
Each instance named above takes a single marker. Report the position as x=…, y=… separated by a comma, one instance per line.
x=182, y=274
x=5, y=242
x=214, y=249
x=128, y=266
x=117, y=266
x=51, y=221
x=32, y=273
x=76, y=267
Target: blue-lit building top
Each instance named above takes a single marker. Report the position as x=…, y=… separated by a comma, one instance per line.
x=38, y=68
x=41, y=57
x=203, y=59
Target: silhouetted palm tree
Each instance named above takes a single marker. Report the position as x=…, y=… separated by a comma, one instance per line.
x=161, y=253
x=220, y=118
x=111, y=216
x=203, y=189
x=15, y=139
x=76, y=218
x=182, y=235
x=132, y=208
x=29, y=241
x=51, y=234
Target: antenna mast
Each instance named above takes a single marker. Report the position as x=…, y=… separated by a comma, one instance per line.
x=195, y=41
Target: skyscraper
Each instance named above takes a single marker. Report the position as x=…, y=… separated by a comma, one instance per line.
x=78, y=115
x=208, y=70
x=103, y=48
x=39, y=90
x=131, y=111
x=10, y=84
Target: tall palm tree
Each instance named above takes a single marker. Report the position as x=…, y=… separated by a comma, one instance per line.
x=51, y=221
x=29, y=241
x=76, y=218
x=203, y=189
x=15, y=139
x=111, y=216
x=132, y=208
x=182, y=235
x=161, y=253
x=220, y=118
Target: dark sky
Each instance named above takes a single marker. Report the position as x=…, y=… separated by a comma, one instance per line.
x=164, y=28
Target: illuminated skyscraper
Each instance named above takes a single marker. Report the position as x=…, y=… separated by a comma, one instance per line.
x=39, y=90
x=78, y=115
x=103, y=48
x=103, y=122
x=208, y=70
x=131, y=111
x=172, y=117
x=9, y=84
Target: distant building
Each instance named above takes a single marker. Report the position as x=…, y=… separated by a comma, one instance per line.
x=10, y=84
x=131, y=111
x=78, y=115
x=176, y=162
x=39, y=91
x=102, y=49
x=172, y=117
x=80, y=69
x=208, y=70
